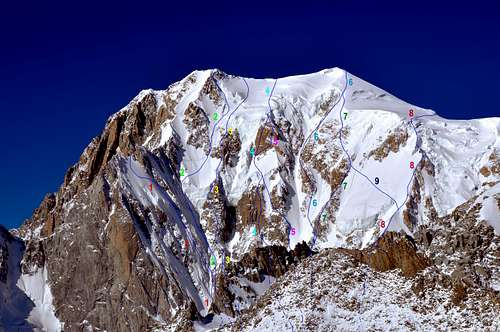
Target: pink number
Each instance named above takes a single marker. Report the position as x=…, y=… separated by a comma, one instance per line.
x=412, y=165
x=293, y=231
x=410, y=113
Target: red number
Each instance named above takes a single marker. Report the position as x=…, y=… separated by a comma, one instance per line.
x=410, y=113
x=412, y=165
x=206, y=302
x=186, y=243
x=381, y=223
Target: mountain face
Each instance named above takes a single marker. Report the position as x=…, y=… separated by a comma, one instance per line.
x=314, y=202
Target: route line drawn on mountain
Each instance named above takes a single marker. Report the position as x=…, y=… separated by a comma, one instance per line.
x=262, y=179
x=187, y=230
x=261, y=198
x=398, y=207
x=212, y=272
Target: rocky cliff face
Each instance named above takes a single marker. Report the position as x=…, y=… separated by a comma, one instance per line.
x=195, y=199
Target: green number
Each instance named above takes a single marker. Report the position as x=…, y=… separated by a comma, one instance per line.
x=345, y=184
x=345, y=115
x=182, y=172
x=216, y=116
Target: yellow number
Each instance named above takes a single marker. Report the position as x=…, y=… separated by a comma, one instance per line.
x=228, y=260
x=230, y=131
x=216, y=189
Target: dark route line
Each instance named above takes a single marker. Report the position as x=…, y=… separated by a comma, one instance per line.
x=262, y=179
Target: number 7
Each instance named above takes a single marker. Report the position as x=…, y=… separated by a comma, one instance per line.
x=345, y=115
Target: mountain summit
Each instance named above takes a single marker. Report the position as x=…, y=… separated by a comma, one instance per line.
x=312, y=202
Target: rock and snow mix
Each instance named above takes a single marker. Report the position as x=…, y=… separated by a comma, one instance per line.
x=333, y=292
x=193, y=196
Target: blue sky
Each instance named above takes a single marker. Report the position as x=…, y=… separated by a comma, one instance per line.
x=67, y=66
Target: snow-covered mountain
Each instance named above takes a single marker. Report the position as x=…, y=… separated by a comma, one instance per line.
x=197, y=198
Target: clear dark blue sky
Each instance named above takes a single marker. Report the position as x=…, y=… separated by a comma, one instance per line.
x=65, y=67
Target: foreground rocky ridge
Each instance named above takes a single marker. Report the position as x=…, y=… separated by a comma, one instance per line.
x=194, y=199
x=332, y=291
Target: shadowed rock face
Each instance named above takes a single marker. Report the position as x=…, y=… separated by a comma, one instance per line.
x=393, y=251
x=15, y=305
x=4, y=254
